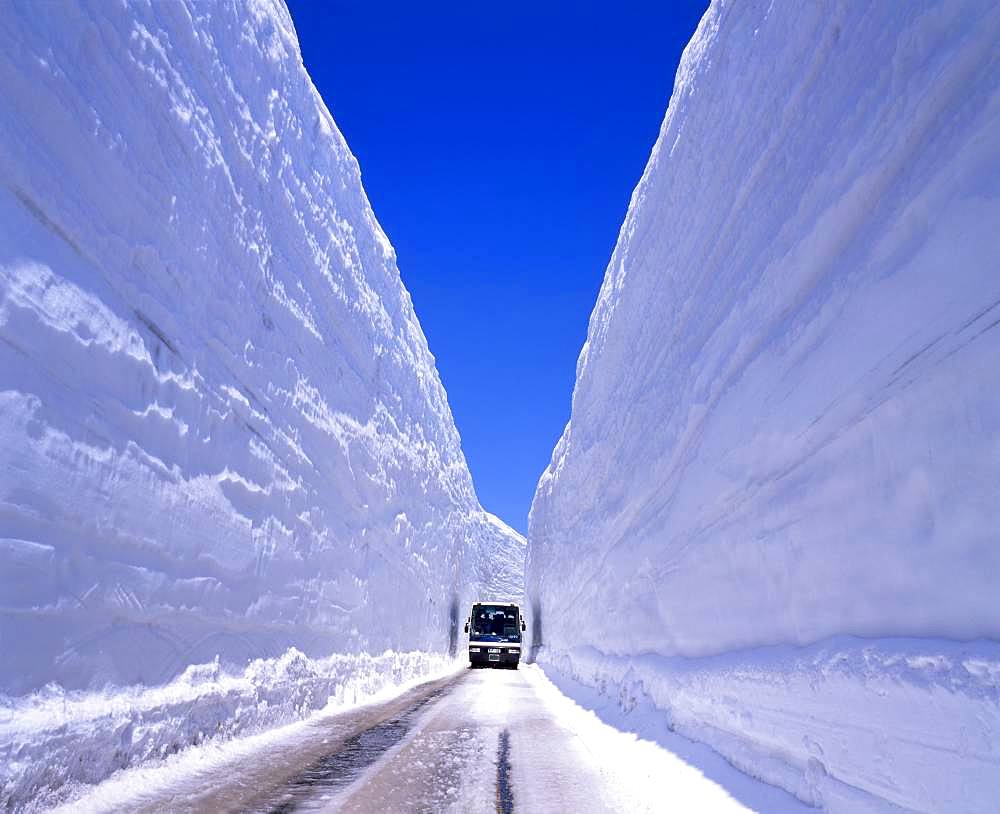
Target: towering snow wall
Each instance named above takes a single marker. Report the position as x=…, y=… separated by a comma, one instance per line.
x=785, y=431
x=221, y=430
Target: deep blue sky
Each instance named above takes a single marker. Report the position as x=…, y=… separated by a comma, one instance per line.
x=499, y=144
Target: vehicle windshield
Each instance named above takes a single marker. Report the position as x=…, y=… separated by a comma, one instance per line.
x=495, y=623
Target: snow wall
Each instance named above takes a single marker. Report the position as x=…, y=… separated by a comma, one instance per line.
x=775, y=511
x=221, y=431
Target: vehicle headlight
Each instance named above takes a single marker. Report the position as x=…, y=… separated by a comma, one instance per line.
x=473, y=649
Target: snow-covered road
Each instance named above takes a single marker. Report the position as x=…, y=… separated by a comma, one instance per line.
x=474, y=741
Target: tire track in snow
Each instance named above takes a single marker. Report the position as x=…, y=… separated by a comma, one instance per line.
x=504, y=795
x=345, y=764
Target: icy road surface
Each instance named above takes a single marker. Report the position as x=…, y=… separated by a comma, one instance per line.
x=475, y=741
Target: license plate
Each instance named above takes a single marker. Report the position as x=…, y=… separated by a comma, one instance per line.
x=494, y=657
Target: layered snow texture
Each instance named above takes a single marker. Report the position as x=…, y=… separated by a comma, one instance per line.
x=846, y=725
x=222, y=434
x=786, y=421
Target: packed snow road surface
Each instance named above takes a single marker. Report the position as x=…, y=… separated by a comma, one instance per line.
x=475, y=741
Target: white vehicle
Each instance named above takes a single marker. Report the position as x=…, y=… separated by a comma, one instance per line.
x=494, y=630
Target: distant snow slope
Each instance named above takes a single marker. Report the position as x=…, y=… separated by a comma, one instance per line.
x=786, y=421
x=498, y=564
x=221, y=430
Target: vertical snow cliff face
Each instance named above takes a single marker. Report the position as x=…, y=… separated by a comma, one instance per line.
x=786, y=420
x=221, y=429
